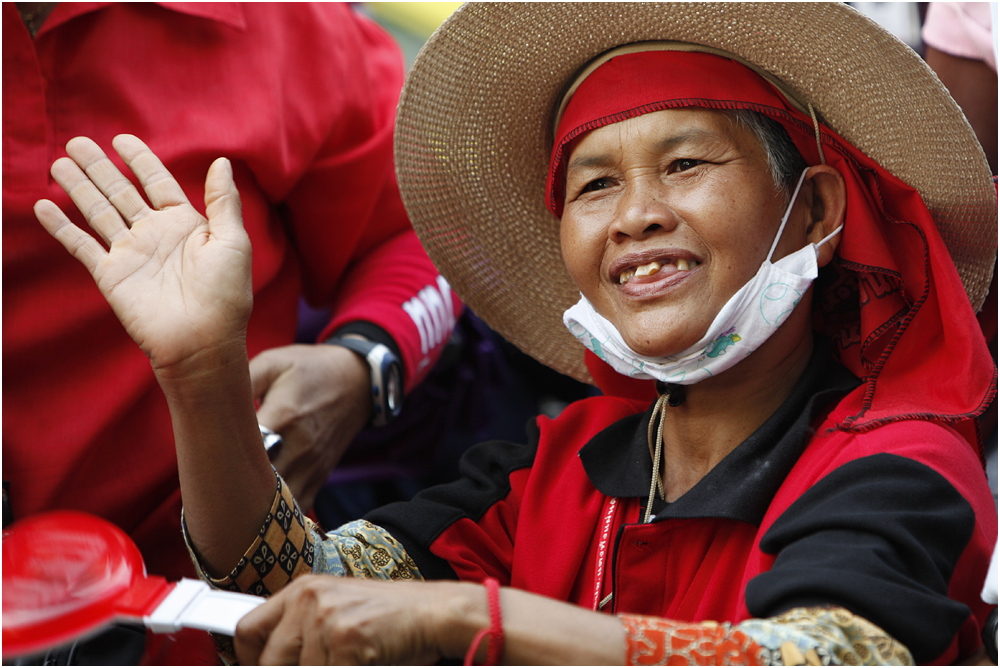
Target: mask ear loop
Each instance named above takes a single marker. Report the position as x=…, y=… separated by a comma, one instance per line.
x=784, y=220
x=788, y=213
x=830, y=236
x=822, y=158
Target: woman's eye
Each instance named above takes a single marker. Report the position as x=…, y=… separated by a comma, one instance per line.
x=685, y=164
x=596, y=184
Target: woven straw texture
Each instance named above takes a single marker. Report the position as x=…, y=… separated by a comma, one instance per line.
x=473, y=136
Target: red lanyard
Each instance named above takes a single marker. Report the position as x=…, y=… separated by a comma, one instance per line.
x=602, y=551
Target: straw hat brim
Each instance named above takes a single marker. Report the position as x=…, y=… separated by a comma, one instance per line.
x=473, y=137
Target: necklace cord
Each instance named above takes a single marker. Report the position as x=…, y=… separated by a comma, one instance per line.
x=655, y=483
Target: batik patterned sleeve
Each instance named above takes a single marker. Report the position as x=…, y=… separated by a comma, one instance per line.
x=289, y=544
x=362, y=550
x=817, y=636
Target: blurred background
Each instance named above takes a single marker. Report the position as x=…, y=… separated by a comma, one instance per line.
x=411, y=23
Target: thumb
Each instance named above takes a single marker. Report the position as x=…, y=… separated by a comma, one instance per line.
x=222, y=201
x=265, y=369
x=254, y=629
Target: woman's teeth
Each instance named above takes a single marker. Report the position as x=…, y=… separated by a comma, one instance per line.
x=649, y=270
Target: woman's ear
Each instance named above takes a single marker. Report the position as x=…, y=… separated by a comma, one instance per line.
x=828, y=202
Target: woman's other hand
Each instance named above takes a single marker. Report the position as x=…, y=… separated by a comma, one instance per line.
x=325, y=620
x=179, y=283
x=336, y=621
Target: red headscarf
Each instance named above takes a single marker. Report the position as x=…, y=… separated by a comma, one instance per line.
x=895, y=306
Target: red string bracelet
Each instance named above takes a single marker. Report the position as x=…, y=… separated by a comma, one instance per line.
x=494, y=650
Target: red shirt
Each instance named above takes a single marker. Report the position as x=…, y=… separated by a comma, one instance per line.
x=301, y=99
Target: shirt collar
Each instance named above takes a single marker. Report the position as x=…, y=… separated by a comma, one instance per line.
x=229, y=13
x=741, y=486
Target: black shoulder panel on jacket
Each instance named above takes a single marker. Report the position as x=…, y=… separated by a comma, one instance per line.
x=880, y=536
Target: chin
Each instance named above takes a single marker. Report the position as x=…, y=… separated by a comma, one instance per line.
x=660, y=347
x=662, y=334
x=659, y=332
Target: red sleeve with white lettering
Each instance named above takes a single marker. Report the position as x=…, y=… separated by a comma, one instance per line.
x=397, y=288
x=359, y=254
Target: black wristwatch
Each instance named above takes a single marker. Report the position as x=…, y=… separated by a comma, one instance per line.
x=386, y=375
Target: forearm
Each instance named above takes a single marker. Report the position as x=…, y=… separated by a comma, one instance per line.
x=542, y=631
x=226, y=480
x=180, y=284
x=545, y=631
x=537, y=630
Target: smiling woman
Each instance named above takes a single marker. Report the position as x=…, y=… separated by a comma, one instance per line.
x=749, y=487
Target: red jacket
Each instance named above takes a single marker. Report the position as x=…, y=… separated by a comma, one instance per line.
x=895, y=524
x=301, y=98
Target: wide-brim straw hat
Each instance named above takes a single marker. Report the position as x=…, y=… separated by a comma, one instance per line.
x=474, y=137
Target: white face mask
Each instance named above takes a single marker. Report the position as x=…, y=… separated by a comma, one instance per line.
x=748, y=319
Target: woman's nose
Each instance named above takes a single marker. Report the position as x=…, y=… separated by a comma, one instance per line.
x=642, y=211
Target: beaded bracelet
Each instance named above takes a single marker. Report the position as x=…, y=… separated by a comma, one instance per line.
x=494, y=650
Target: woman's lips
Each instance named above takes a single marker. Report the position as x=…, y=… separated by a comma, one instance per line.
x=653, y=268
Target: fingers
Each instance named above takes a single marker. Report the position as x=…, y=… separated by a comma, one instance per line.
x=222, y=201
x=160, y=186
x=323, y=620
x=107, y=199
x=272, y=634
x=316, y=650
x=80, y=245
x=70, y=174
x=293, y=463
x=253, y=631
x=278, y=412
x=265, y=369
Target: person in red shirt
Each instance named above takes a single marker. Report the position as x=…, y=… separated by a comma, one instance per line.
x=302, y=99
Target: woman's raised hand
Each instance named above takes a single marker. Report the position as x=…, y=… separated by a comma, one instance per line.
x=180, y=284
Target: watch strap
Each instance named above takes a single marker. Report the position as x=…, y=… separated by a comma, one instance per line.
x=386, y=390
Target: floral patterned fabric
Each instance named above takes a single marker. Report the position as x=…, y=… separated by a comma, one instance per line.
x=362, y=550
x=825, y=636
x=818, y=636
x=653, y=641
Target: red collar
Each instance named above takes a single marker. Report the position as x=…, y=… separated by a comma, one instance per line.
x=229, y=13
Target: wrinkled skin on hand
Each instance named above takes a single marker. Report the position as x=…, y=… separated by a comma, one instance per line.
x=336, y=621
x=320, y=619
x=178, y=282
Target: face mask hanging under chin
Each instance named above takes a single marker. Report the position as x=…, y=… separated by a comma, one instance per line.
x=745, y=322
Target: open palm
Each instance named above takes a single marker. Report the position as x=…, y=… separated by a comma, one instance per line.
x=179, y=283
